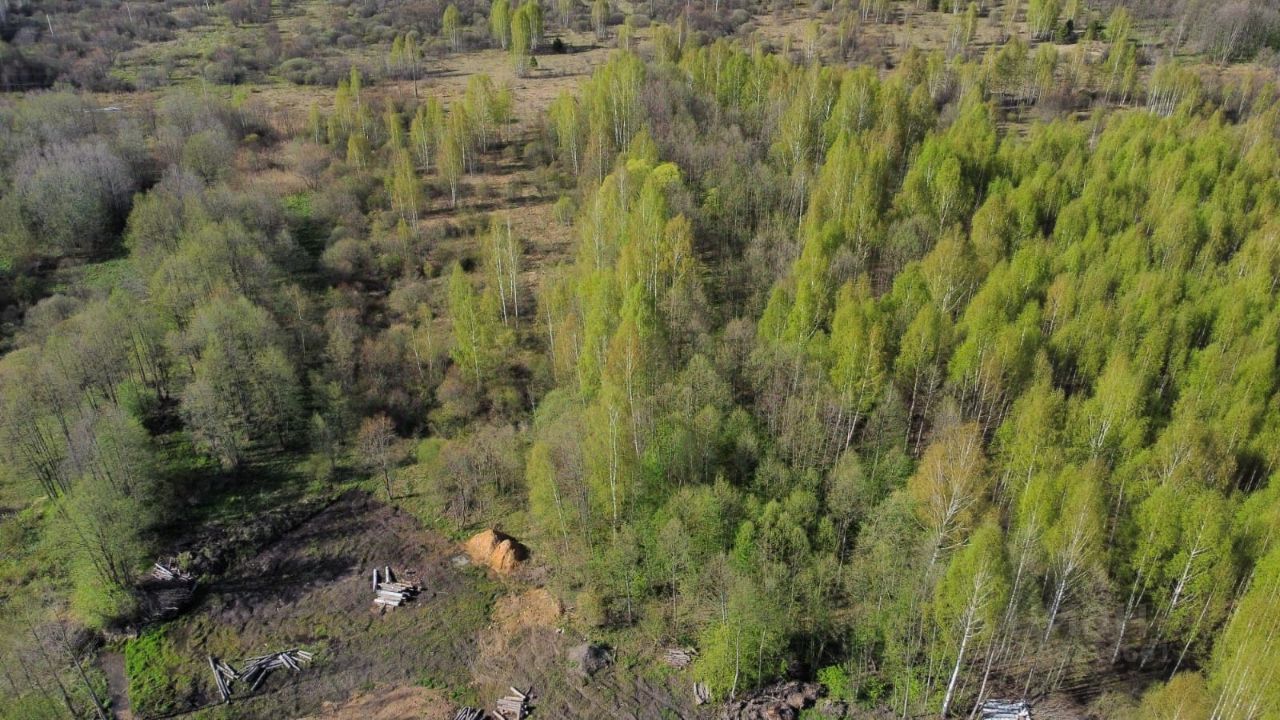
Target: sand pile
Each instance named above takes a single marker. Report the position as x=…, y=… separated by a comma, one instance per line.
x=498, y=551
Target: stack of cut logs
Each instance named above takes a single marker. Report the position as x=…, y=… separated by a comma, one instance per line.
x=169, y=590
x=469, y=713
x=1006, y=710
x=223, y=676
x=255, y=669
x=388, y=592
x=514, y=706
x=679, y=658
x=169, y=571
x=701, y=693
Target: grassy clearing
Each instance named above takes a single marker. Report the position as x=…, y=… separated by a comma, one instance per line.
x=160, y=680
x=309, y=589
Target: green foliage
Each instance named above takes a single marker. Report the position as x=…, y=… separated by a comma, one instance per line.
x=836, y=680
x=500, y=22
x=241, y=379
x=843, y=369
x=478, y=337
x=157, y=684
x=451, y=27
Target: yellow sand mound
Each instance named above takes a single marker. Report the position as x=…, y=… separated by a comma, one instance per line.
x=498, y=551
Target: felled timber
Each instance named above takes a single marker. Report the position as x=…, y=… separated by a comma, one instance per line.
x=219, y=680
x=1006, y=710
x=469, y=713
x=168, y=570
x=780, y=701
x=679, y=658
x=255, y=669
x=390, y=593
x=514, y=706
x=701, y=694
x=167, y=591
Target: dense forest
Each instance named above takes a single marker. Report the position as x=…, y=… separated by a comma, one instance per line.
x=947, y=378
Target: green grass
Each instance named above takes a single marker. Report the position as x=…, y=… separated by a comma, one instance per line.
x=157, y=684
x=107, y=275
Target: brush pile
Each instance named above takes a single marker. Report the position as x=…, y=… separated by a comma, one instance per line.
x=167, y=591
x=781, y=701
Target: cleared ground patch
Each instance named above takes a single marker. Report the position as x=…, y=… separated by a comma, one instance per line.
x=311, y=589
x=528, y=645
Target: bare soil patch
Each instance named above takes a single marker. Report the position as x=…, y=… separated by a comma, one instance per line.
x=112, y=664
x=312, y=589
x=390, y=703
x=526, y=647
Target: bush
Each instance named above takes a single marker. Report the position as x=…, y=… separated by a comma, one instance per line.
x=222, y=72
x=428, y=450
x=836, y=680
x=208, y=154
x=73, y=197
x=565, y=209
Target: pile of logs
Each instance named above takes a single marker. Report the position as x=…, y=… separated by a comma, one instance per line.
x=169, y=570
x=679, y=658
x=223, y=676
x=167, y=591
x=514, y=706
x=390, y=593
x=781, y=701
x=469, y=713
x=255, y=669
x=701, y=694
x=1006, y=710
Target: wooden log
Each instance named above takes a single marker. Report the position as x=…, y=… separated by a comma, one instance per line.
x=386, y=574
x=701, y=693
x=217, y=679
x=257, y=682
x=510, y=704
x=375, y=579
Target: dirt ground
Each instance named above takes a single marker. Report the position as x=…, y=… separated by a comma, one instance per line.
x=527, y=646
x=390, y=703
x=311, y=589
x=113, y=667
x=467, y=638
